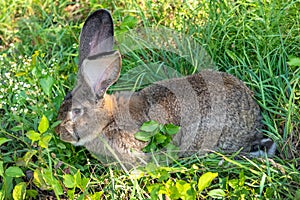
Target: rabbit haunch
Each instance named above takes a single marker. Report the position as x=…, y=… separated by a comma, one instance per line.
x=215, y=110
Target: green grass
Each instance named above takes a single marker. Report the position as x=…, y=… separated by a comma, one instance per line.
x=258, y=42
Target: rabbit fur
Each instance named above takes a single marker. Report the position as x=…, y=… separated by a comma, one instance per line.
x=215, y=110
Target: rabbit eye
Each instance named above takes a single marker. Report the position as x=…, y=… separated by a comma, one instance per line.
x=76, y=111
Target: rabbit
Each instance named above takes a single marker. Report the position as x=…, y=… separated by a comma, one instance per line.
x=215, y=110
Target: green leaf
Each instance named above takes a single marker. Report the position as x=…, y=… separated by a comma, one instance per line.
x=17, y=128
x=69, y=180
x=32, y=193
x=205, y=180
x=294, y=61
x=19, y=191
x=57, y=188
x=23, y=161
x=44, y=142
x=71, y=194
x=143, y=136
x=2, y=194
x=234, y=183
x=172, y=129
x=242, y=179
x=154, y=189
x=55, y=124
x=46, y=84
x=3, y=140
x=216, y=193
x=160, y=138
x=33, y=136
x=81, y=197
x=262, y=184
x=77, y=179
x=52, y=181
x=7, y=186
x=172, y=191
x=163, y=175
x=61, y=146
x=21, y=73
x=97, y=195
x=167, y=141
x=185, y=190
x=297, y=196
x=151, y=147
x=39, y=179
x=1, y=168
x=44, y=124
x=149, y=126
x=84, y=183
x=151, y=168
x=14, y=172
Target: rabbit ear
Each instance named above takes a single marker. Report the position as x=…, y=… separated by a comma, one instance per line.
x=101, y=71
x=97, y=35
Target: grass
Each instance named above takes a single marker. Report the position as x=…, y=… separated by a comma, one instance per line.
x=258, y=42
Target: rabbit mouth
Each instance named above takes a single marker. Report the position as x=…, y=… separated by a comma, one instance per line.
x=67, y=134
x=70, y=135
x=70, y=138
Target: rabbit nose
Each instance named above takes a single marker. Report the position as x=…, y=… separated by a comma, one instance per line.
x=69, y=116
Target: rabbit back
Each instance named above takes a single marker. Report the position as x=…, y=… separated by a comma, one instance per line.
x=214, y=109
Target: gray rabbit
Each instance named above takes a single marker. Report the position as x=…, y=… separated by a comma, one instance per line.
x=215, y=110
